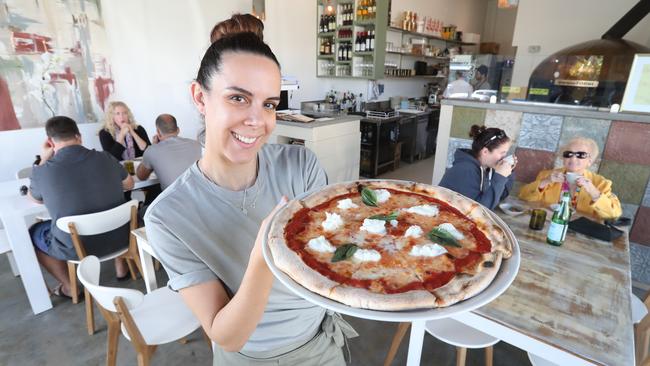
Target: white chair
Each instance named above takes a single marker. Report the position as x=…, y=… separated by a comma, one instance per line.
x=639, y=311
x=463, y=337
x=158, y=317
x=24, y=173
x=94, y=224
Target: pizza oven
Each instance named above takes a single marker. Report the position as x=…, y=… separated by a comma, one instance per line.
x=592, y=73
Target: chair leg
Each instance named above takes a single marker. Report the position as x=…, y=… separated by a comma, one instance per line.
x=183, y=340
x=397, y=340
x=156, y=264
x=113, y=339
x=131, y=270
x=90, y=313
x=74, y=291
x=643, y=343
x=489, y=355
x=461, y=355
x=143, y=358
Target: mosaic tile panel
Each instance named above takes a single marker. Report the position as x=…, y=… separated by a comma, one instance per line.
x=628, y=142
x=456, y=144
x=629, y=181
x=629, y=210
x=640, y=260
x=531, y=162
x=646, y=196
x=641, y=229
x=596, y=129
x=463, y=118
x=540, y=131
x=508, y=121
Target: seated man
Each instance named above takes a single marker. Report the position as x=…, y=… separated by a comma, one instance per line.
x=72, y=180
x=591, y=194
x=170, y=155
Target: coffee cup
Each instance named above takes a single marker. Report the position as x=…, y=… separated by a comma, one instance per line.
x=571, y=178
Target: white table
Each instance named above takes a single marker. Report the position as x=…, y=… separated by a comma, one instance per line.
x=146, y=258
x=14, y=209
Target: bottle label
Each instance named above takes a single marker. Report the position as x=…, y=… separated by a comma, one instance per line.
x=556, y=232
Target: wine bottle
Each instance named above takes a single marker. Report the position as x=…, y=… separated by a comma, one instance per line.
x=560, y=222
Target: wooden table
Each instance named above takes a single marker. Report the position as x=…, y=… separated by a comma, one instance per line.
x=570, y=304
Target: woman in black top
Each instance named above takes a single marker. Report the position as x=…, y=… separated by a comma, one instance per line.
x=121, y=135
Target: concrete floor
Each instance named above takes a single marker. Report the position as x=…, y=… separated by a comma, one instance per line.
x=59, y=337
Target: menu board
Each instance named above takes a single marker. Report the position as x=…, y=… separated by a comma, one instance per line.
x=637, y=90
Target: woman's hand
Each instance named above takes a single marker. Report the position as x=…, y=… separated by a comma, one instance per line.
x=121, y=137
x=504, y=168
x=555, y=177
x=256, y=255
x=586, y=184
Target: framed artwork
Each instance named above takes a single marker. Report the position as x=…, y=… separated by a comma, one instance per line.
x=637, y=90
x=54, y=60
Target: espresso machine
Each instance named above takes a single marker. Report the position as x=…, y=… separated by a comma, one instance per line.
x=434, y=90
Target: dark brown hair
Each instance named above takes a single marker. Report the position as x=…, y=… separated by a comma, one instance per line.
x=491, y=138
x=238, y=23
x=61, y=128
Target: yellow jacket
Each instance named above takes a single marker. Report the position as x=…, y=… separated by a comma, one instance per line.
x=607, y=206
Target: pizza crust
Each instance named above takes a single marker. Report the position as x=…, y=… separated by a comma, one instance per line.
x=461, y=287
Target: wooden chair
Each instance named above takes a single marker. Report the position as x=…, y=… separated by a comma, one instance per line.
x=147, y=320
x=94, y=224
x=452, y=332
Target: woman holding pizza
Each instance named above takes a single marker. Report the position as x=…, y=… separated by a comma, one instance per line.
x=208, y=227
x=483, y=173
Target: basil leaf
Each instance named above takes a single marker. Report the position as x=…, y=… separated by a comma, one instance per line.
x=389, y=217
x=369, y=197
x=344, y=252
x=444, y=237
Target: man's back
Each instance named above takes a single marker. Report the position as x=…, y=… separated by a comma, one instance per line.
x=171, y=157
x=79, y=181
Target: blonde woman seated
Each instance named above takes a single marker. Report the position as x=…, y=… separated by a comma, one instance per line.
x=591, y=194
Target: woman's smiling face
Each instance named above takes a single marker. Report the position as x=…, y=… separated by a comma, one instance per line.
x=239, y=107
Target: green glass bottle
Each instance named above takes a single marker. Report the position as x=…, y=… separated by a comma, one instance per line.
x=560, y=221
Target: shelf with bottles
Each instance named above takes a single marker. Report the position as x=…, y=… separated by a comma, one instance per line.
x=358, y=36
x=438, y=58
x=429, y=36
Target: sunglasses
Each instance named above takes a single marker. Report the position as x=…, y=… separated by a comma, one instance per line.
x=577, y=154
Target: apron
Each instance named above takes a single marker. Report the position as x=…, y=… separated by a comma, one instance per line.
x=322, y=350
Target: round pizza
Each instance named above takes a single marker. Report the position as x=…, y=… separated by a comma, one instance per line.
x=388, y=245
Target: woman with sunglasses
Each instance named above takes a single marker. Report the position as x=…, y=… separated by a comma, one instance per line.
x=481, y=173
x=591, y=193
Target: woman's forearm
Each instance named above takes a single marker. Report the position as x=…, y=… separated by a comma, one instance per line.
x=142, y=144
x=234, y=323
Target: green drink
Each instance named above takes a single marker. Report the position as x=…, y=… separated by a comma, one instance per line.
x=560, y=222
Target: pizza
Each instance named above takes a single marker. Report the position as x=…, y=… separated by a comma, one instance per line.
x=388, y=245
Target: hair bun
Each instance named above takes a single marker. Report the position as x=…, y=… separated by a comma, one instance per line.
x=475, y=131
x=238, y=23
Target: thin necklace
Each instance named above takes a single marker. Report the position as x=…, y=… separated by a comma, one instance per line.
x=243, y=207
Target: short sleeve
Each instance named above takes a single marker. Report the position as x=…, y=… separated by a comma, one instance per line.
x=146, y=158
x=35, y=184
x=314, y=175
x=183, y=267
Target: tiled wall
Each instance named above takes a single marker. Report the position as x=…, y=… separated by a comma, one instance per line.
x=624, y=158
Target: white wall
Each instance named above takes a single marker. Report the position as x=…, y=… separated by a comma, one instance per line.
x=557, y=24
x=290, y=31
x=499, y=27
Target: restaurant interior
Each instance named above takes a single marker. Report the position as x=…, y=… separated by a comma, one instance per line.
x=536, y=112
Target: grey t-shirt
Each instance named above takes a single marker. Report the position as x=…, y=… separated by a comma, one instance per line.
x=171, y=157
x=200, y=234
x=78, y=181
